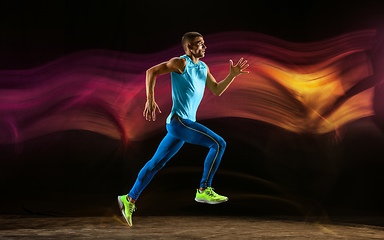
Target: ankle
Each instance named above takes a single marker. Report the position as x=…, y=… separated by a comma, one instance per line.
x=131, y=200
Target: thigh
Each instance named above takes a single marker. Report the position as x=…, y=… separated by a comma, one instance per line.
x=193, y=132
x=168, y=147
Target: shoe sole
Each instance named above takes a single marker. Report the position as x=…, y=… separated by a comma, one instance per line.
x=209, y=202
x=122, y=209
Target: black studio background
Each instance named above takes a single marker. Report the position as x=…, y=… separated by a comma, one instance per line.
x=265, y=170
x=35, y=32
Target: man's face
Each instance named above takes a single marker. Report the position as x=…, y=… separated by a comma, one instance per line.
x=198, y=47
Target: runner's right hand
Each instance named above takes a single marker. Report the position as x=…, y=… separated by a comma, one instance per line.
x=150, y=110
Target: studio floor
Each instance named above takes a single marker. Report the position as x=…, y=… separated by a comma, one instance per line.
x=187, y=227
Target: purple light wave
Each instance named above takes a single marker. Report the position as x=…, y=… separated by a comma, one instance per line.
x=299, y=87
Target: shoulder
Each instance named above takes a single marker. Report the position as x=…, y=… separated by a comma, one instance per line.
x=177, y=60
x=178, y=63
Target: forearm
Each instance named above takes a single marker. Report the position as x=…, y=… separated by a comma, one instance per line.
x=218, y=88
x=150, y=82
x=223, y=85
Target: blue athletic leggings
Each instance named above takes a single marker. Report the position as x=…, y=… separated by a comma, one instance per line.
x=180, y=131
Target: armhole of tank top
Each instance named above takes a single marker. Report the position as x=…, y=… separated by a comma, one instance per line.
x=205, y=65
x=186, y=61
x=206, y=73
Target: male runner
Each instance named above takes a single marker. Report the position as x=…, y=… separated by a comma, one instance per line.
x=189, y=77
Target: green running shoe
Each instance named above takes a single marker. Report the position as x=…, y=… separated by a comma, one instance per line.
x=209, y=196
x=127, y=208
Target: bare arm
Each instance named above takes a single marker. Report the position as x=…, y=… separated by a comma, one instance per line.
x=218, y=88
x=173, y=65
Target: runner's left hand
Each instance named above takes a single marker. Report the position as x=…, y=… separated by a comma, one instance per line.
x=238, y=68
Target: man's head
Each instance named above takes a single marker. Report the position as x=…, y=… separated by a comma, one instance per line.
x=193, y=43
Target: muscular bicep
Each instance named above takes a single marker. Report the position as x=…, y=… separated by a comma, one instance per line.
x=173, y=65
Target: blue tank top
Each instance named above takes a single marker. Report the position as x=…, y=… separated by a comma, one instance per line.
x=188, y=89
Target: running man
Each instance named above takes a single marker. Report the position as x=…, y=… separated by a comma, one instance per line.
x=189, y=77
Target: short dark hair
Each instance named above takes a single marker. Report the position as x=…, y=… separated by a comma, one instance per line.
x=188, y=38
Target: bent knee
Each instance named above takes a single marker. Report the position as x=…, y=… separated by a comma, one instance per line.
x=222, y=143
x=219, y=144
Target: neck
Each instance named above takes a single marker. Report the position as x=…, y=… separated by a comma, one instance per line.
x=192, y=57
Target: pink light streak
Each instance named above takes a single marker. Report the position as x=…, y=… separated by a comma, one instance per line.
x=295, y=86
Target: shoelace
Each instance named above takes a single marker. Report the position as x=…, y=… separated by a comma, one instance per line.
x=131, y=208
x=210, y=192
